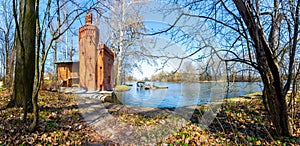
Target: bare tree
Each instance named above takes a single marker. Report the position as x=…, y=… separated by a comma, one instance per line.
x=125, y=26
x=47, y=25
x=269, y=53
x=36, y=31
x=6, y=42
x=269, y=32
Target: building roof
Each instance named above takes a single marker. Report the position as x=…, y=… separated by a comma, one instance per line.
x=66, y=62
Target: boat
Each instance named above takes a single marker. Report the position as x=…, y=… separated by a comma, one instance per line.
x=147, y=86
x=143, y=84
x=160, y=87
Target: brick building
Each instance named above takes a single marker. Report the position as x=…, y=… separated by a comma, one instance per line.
x=95, y=64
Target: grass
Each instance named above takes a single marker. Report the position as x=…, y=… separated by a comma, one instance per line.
x=121, y=88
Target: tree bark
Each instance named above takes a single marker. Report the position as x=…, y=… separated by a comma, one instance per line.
x=273, y=93
x=276, y=106
x=119, y=71
x=25, y=57
x=39, y=75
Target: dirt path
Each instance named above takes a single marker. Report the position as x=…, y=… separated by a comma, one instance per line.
x=107, y=120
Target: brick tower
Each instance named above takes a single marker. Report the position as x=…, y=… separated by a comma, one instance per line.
x=105, y=63
x=88, y=43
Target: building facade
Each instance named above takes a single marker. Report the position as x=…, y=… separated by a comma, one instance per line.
x=68, y=73
x=95, y=61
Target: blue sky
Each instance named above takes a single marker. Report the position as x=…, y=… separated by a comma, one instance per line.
x=153, y=20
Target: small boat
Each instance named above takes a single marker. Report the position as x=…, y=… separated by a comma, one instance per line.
x=147, y=87
x=128, y=84
x=140, y=84
x=160, y=87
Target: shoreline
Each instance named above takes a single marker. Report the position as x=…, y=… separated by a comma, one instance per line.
x=135, y=109
x=235, y=99
x=200, y=81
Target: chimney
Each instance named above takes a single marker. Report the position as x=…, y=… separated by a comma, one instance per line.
x=89, y=18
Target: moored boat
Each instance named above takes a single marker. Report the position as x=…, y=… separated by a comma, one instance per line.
x=160, y=87
x=147, y=86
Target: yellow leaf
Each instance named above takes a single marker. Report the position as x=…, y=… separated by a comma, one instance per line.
x=258, y=142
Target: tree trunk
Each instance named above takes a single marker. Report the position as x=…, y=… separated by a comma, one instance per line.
x=35, y=121
x=39, y=75
x=277, y=108
x=25, y=57
x=8, y=69
x=119, y=71
x=274, y=97
x=55, y=60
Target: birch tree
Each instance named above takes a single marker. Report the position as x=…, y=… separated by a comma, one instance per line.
x=125, y=26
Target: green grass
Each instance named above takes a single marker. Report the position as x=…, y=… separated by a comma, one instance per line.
x=122, y=88
x=47, y=81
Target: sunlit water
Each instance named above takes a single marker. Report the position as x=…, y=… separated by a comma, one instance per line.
x=185, y=94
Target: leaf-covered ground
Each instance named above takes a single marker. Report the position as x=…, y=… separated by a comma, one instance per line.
x=239, y=122
x=60, y=123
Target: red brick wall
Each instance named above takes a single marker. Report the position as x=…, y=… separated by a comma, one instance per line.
x=105, y=68
x=96, y=62
x=88, y=42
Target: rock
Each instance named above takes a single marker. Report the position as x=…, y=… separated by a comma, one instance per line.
x=110, y=99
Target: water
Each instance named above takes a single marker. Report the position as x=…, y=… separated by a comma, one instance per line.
x=185, y=94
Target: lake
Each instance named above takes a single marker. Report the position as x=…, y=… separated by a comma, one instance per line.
x=185, y=94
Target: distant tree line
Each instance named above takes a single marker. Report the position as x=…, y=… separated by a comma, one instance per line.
x=194, y=77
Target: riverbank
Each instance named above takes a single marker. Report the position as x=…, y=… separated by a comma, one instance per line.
x=237, y=121
x=70, y=120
